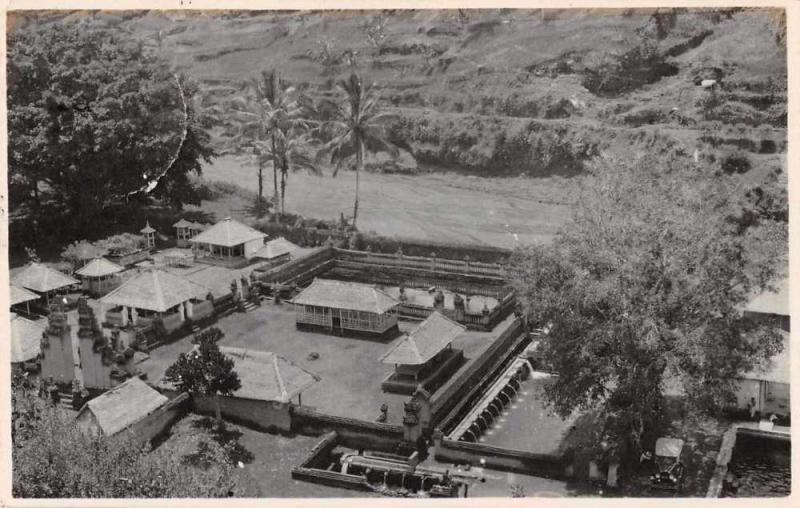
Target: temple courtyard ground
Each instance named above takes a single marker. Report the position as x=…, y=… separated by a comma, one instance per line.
x=349, y=368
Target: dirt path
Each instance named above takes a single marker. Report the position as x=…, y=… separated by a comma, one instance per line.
x=444, y=207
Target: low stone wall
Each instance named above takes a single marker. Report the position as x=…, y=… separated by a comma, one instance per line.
x=725, y=453
x=130, y=259
x=357, y=434
x=266, y=415
x=298, y=271
x=316, y=456
x=270, y=416
x=459, y=452
x=331, y=478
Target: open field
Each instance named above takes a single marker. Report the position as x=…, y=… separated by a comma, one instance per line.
x=350, y=371
x=504, y=212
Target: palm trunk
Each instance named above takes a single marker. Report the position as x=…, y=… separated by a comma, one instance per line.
x=359, y=163
x=274, y=173
x=260, y=183
x=284, y=177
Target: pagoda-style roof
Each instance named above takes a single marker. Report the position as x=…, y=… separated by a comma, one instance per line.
x=26, y=338
x=147, y=229
x=99, y=267
x=183, y=223
x=41, y=278
x=21, y=295
x=424, y=342
x=346, y=295
x=154, y=290
x=772, y=302
x=275, y=249
x=124, y=405
x=228, y=233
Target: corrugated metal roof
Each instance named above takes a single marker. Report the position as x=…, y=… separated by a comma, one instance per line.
x=99, y=267
x=228, y=233
x=41, y=278
x=21, y=295
x=424, y=342
x=155, y=290
x=275, y=248
x=124, y=405
x=772, y=302
x=267, y=376
x=346, y=295
x=26, y=338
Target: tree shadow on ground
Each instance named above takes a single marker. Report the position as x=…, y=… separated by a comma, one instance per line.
x=227, y=437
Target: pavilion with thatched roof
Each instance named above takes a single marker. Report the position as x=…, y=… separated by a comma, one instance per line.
x=156, y=294
x=340, y=307
x=185, y=230
x=421, y=357
x=277, y=251
x=228, y=240
x=26, y=339
x=99, y=276
x=44, y=281
x=18, y=296
x=268, y=376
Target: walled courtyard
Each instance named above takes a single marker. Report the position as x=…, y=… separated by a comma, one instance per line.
x=349, y=367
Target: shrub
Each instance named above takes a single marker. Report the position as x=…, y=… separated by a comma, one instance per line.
x=735, y=163
x=618, y=74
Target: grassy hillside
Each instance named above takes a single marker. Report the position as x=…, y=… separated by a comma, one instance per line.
x=498, y=92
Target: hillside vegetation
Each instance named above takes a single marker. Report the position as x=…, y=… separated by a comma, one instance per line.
x=534, y=92
x=531, y=92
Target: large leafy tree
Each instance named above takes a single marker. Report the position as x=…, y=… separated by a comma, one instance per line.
x=52, y=458
x=205, y=370
x=95, y=119
x=359, y=125
x=644, y=290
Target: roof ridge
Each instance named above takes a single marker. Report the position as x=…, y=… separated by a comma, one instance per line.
x=279, y=378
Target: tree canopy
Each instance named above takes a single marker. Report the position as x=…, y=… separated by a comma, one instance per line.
x=644, y=290
x=205, y=370
x=95, y=118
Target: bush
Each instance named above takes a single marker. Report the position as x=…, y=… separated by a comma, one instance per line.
x=735, y=163
x=618, y=74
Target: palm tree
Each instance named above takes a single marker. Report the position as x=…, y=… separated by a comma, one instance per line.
x=257, y=119
x=359, y=126
x=285, y=152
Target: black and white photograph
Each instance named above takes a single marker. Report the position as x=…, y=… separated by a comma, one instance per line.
x=398, y=253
